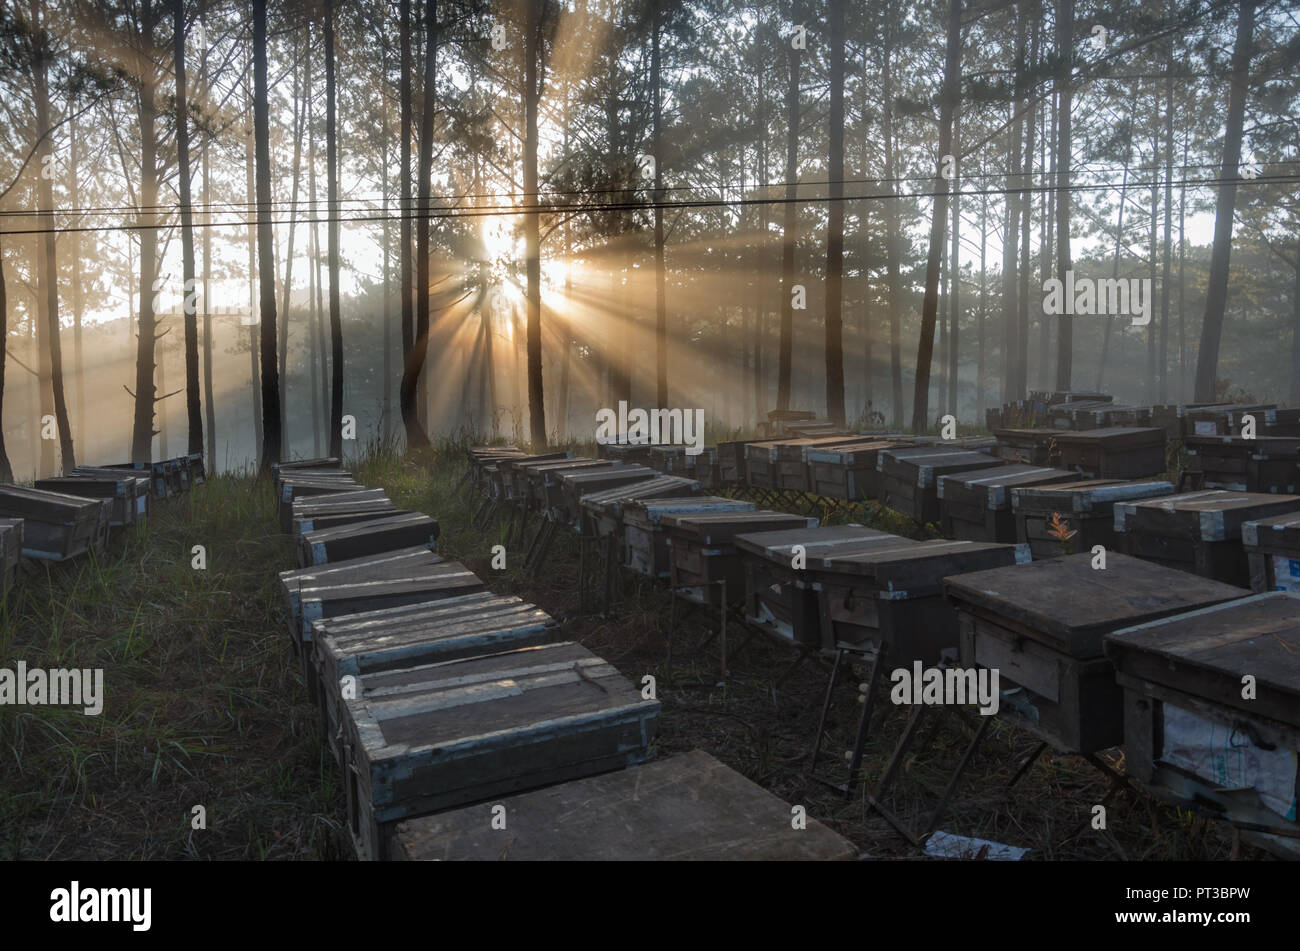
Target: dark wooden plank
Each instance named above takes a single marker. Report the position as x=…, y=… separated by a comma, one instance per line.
x=427, y=584
x=56, y=526
x=1214, y=515
x=688, y=807
x=11, y=549
x=721, y=528
x=1065, y=603
x=367, y=538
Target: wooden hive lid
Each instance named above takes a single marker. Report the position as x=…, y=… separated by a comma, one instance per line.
x=680, y=808
x=929, y=462
x=1207, y=653
x=43, y=505
x=1086, y=495
x=1067, y=603
x=913, y=569
x=1116, y=437
x=1214, y=515
x=818, y=542
x=720, y=528
x=1278, y=531
x=612, y=501
x=446, y=710
x=845, y=452
x=996, y=483
x=375, y=525
x=653, y=511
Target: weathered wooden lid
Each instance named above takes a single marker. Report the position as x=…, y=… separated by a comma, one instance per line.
x=1279, y=531
x=1068, y=604
x=611, y=501
x=682, y=808
x=818, y=542
x=924, y=464
x=1085, y=496
x=1115, y=437
x=653, y=511
x=1213, y=515
x=916, y=569
x=995, y=484
x=720, y=528
x=1207, y=653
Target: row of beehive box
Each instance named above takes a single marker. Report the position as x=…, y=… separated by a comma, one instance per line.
x=1083, y=411
x=828, y=587
x=62, y=518
x=436, y=694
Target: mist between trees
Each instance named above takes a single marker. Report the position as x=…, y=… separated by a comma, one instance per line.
x=453, y=218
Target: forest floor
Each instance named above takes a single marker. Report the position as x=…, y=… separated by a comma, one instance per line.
x=205, y=704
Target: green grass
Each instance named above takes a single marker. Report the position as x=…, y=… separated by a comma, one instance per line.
x=203, y=704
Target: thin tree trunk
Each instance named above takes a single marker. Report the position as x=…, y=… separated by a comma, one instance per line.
x=1216, y=293
x=6, y=470
x=406, y=401
x=78, y=295
x=250, y=161
x=954, y=272
x=835, y=225
x=142, y=425
x=892, y=253
x=416, y=438
x=1163, y=392
x=979, y=359
x=1064, y=49
x=930, y=304
x=532, y=239
x=661, y=306
x=299, y=115
x=210, y=430
x=790, y=232
x=265, y=251
x=332, y=207
x=49, y=262
x=193, y=405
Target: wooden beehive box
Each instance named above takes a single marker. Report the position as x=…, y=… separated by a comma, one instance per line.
x=1280, y=422
x=792, y=471
x=890, y=594
x=1197, y=531
x=688, y=807
x=56, y=526
x=396, y=638
x=603, y=511
x=664, y=458
x=1272, y=548
x=703, y=467
x=543, y=480
x=11, y=549
x=122, y=492
x=299, y=488
x=161, y=483
x=366, y=538
x=137, y=486
x=574, y=486
x=976, y=505
x=423, y=739
x=1033, y=447
x=1085, y=507
x=760, y=464
x=775, y=599
x=1261, y=464
x=394, y=565
x=731, y=463
x=320, y=462
x=846, y=470
x=344, y=508
x=510, y=476
x=1114, y=452
x=1222, y=419
x=1040, y=625
x=1192, y=736
x=909, y=476
x=334, y=598
x=645, y=533
x=702, y=550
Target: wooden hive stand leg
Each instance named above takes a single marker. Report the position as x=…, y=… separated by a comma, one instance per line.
x=826, y=706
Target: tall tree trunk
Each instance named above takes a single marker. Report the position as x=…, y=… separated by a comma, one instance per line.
x=1011, y=357
x=250, y=163
x=1216, y=292
x=265, y=251
x=78, y=295
x=835, y=224
x=406, y=401
x=299, y=116
x=661, y=305
x=1065, y=50
x=316, y=354
x=980, y=352
x=1046, y=243
x=954, y=272
x=790, y=232
x=532, y=239
x=332, y=207
x=142, y=424
x=6, y=470
x=386, y=152
x=1163, y=393
x=416, y=438
x=210, y=429
x=892, y=252
x=1293, y=398
x=930, y=304
x=193, y=405
x=1020, y=380
x=49, y=263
